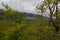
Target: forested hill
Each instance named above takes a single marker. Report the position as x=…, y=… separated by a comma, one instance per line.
x=14, y=15
x=2, y=12
x=17, y=13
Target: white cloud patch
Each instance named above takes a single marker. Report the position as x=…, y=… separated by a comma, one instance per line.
x=6, y=0
x=23, y=5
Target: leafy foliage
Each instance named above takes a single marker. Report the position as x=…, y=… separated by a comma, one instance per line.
x=15, y=26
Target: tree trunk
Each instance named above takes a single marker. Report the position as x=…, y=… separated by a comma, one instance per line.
x=53, y=22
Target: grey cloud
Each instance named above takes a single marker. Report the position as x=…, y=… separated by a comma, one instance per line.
x=24, y=5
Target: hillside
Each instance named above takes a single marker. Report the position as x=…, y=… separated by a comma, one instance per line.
x=15, y=26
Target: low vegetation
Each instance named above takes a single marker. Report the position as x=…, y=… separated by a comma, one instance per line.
x=15, y=26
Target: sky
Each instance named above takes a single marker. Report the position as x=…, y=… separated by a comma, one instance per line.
x=22, y=5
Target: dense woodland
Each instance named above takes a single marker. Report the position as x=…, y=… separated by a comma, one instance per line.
x=15, y=26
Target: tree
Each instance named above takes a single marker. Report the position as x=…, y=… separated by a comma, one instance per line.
x=13, y=15
x=9, y=11
x=52, y=6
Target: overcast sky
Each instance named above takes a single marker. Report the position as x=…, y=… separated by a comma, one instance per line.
x=22, y=5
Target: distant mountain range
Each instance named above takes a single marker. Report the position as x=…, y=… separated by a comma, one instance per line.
x=23, y=13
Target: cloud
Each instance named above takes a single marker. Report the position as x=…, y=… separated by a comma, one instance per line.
x=5, y=0
x=23, y=5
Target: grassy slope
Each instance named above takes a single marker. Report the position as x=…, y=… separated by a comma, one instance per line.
x=36, y=29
